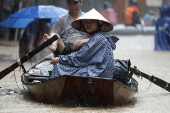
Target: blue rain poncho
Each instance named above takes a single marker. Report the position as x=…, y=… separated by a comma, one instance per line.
x=162, y=34
x=94, y=59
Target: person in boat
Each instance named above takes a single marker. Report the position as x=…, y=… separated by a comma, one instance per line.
x=72, y=38
x=95, y=58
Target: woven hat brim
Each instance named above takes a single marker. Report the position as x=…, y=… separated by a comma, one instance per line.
x=94, y=15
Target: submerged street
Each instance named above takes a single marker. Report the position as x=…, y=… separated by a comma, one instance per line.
x=138, y=48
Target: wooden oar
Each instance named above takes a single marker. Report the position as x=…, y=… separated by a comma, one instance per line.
x=159, y=82
x=27, y=57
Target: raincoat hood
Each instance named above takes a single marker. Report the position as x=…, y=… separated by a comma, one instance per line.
x=164, y=11
x=110, y=39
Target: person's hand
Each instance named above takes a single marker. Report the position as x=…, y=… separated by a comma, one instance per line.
x=50, y=56
x=55, y=60
x=46, y=37
x=78, y=43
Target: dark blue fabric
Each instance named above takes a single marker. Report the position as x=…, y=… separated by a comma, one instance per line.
x=162, y=34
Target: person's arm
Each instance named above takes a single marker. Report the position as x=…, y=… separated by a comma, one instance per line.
x=31, y=42
x=78, y=43
x=90, y=51
x=55, y=30
x=31, y=31
x=55, y=60
x=53, y=46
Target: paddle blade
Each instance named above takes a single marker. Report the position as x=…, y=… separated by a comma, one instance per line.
x=161, y=83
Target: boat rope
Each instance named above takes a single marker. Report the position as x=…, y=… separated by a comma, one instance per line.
x=140, y=75
x=23, y=87
x=16, y=80
x=19, y=63
x=147, y=88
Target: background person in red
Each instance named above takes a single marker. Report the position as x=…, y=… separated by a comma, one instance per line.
x=109, y=13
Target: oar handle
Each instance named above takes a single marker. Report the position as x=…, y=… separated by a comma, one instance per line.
x=159, y=82
x=28, y=56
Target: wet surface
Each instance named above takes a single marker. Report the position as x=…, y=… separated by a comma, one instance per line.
x=137, y=48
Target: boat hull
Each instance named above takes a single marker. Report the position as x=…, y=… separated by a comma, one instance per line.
x=82, y=90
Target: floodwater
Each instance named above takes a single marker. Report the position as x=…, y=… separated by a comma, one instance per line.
x=138, y=48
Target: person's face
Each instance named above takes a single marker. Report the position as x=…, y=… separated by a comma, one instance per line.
x=74, y=6
x=90, y=25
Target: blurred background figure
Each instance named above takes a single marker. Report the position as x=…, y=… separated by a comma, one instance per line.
x=168, y=11
x=109, y=13
x=132, y=14
x=150, y=19
x=32, y=38
x=162, y=34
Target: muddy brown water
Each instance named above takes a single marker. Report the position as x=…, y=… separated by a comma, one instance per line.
x=137, y=48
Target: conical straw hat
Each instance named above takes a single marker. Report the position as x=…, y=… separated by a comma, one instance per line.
x=95, y=15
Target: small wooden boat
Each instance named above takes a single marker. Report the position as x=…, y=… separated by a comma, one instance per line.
x=78, y=89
